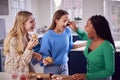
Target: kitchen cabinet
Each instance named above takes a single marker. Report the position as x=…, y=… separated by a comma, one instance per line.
x=77, y=62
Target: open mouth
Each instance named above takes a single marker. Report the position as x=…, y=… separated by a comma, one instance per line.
x=64, y=27
x=32, y=27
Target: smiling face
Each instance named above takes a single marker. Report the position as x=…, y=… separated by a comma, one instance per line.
x=30, y=24
x=61, y=23
x=90, y=30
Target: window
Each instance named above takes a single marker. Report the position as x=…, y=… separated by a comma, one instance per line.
x=73, y=7
x=17, y=5
x=112, y=12
x=4, y=7
x=115, y=16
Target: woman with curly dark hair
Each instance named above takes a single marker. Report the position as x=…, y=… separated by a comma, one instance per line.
x=100, y=48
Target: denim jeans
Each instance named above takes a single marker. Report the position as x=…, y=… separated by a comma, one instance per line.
x=61, y=69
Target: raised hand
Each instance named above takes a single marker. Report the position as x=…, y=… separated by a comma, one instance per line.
x=32, y=43
x=73, y=26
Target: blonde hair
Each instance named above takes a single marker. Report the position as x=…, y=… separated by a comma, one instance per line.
x=17, y=31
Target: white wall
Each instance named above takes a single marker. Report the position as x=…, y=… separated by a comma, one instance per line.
x=41, y=10
x=91, y=7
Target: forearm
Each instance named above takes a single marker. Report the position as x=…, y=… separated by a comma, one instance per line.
x=26, y=57
x=81, y=34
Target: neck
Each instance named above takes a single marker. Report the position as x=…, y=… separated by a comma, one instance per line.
x=58, y=31
x=97, y=39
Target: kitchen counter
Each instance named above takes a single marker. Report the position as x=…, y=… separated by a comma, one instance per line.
x=117, y=45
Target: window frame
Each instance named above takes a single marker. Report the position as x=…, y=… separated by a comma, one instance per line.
x=75, y=11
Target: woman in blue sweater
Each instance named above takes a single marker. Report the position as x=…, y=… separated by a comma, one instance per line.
x=56, y=43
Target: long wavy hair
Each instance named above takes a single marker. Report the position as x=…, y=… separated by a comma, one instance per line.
x=57, y=15
x=102, y=28
x=17, y=31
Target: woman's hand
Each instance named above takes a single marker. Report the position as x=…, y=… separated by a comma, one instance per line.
x=78, y=76
x=72, y=25
x=47, y=61
x=38, y=56
x=32, y=43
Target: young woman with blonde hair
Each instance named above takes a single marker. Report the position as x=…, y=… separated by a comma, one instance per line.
x=17, y=45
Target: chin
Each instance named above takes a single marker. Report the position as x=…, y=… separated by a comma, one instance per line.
x=62, y=30
x=89, y=37
x=31, y=30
